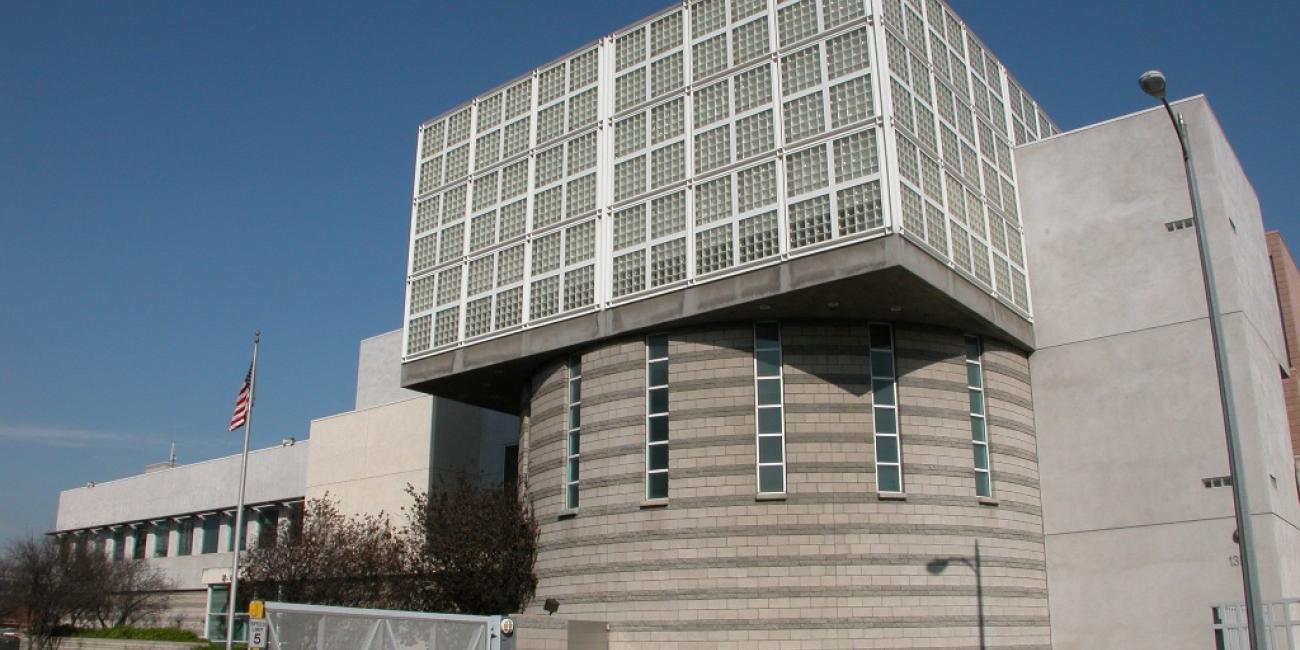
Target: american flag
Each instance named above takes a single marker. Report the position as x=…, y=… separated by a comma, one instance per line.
x=240, y=416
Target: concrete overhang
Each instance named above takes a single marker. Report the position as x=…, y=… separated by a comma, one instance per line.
x=888, y=278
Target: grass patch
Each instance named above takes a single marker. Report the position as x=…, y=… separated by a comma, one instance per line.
x=140, y=634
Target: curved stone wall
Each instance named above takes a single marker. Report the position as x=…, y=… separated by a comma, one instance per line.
x=833, y=564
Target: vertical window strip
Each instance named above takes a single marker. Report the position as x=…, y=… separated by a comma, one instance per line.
x=978, y=420
x=769, y=408
x=573, y=441
x=884, y=409
x=656, y=440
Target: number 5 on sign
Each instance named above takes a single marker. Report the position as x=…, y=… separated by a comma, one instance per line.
x=256, y=634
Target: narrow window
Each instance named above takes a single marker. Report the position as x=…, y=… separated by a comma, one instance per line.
x=211, y=531
x=979, y=430
x=268, y=526
x=884, y=410
x=161, y=538
x=769, y=414
x=573, y=446
x=185, y=536
x=119, y=543
x=656, y=430
x=138, y=534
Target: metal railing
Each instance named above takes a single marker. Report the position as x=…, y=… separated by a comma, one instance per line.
x=1281, y=621
x=318, y=627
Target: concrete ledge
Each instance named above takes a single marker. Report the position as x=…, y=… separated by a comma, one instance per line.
x=887, y=278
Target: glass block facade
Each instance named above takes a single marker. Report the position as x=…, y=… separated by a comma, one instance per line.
x=712, y=138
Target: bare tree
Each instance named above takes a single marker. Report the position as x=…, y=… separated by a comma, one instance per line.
x=40, y=583
x=130, y=592
x=472, y=548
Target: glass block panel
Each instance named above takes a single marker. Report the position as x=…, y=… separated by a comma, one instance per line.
x=630, y=89
x=489, y=112
x=546, y=253
x=901, y=101
x=806, y=170
x=629, y=49
x=709, y=57
x=847, y=53
x=629, y=178
x=961, y=248
x=485, y=191
x=423, y=253
x=893, y=14
x=758, y=237
x=707, y=16
x=550, y=165
x=668, y=262
x=712, y=103
x=810, y=221
x=749, y=41
x=579, y=287
x=943, y=102
x=478, y=317
x=548, y=207
x=482, y=231
x=426, y=213
x=667, y=120
x=516, y=138
x=753, y=88
x=583, y=69
x=430, y=174
x=510, y=265
x=801, y=70
x=908, y=165
x=666, y=33
x=453, y=204
x=838, y=12
x=449, y=285
x=713, y=149
x=859, y=208
x=550, y=84
x=457, y=163
x=581, y=197
x=803, y=117
x=629, y=135
x=667, y=164
x=667, y=74
x=741, y=9
x=582, y=153
x=915, y=29
x=509, y=308
x=936, y=231
x=550, y=123
x=480, y=275
x=980, y=260
x=920, y=79
x=629, y=273
x=756, y=187
x=580, y=243
x=1019, y=290
x=931, y=182
x=897, y=53
x=970, y=165
x=713, y=249
x=851, y=101
x=713, y=200
x=458, y=127
x=452, y=244
x=855, y=156
x=544, y=297
x=514, y=180
x=431, y=139
x=519, y=98
x=419, y=334
x=913, y=217
x=513, y=220
x=582, y=109
x=797, y=21
x=755, y=135
x=629, y=226
x=446, y=325
x=951, y=152
x=668, y=214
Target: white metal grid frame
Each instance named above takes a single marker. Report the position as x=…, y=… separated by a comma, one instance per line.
x=573, y=437
x=887, y=443
x=978, y=417
x=702, y=95
x=656, y=413
x=769, y=410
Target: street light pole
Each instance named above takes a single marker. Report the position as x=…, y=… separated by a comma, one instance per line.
x=1153, y=83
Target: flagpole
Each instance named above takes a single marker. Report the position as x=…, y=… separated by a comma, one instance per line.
x=239, y=509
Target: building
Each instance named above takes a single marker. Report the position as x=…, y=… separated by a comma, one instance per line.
x=821, y=333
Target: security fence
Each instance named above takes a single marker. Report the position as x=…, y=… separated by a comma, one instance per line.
x=317, y=627
x=1281, y=619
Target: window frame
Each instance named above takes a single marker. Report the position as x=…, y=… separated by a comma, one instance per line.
x=573, y=433
x=975, y=344
x=759, y=407
x=652, y=341
x=878, y=407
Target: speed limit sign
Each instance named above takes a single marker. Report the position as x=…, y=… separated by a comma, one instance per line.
x=257, y=633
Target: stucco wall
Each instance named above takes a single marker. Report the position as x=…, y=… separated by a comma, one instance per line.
x=832, y=564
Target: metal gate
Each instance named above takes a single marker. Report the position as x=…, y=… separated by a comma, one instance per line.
x=1281, y=622
x=318, y=627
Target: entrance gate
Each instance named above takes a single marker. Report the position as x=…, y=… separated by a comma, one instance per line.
x=318, y=627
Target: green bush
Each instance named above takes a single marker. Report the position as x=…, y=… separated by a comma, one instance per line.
x=140, y=634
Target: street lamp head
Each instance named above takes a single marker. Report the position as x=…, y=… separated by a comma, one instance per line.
x=937, y=565
x=1153, y=83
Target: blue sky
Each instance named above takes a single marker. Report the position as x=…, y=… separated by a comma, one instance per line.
x=176, y=175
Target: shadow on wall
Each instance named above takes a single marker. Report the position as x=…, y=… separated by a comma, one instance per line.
x=939, y=565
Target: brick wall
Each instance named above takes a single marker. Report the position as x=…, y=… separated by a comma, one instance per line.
x=832, y=565
x=1288, y=293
